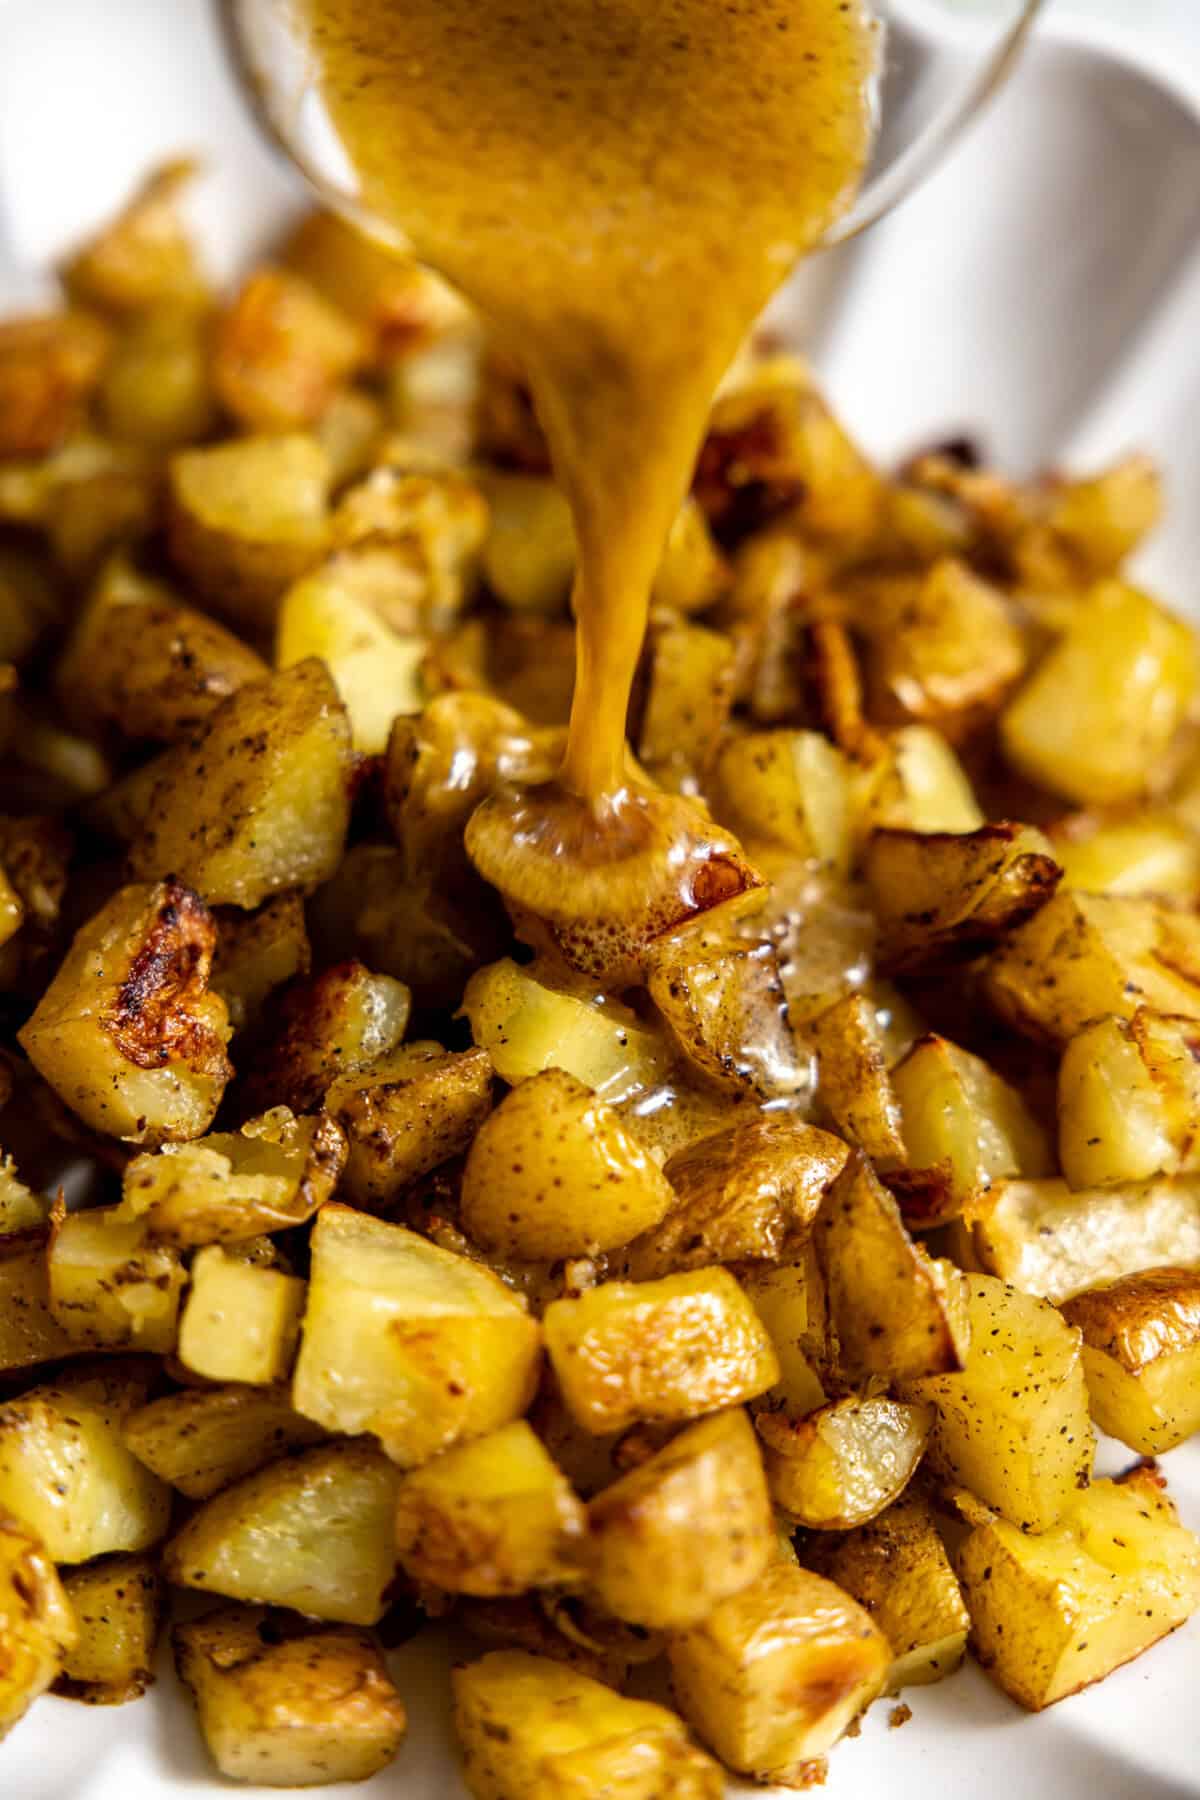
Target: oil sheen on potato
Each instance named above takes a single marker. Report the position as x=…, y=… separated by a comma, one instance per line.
x=620, y=185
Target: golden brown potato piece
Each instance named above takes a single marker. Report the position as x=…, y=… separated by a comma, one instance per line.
x=897, y=1568
x=1151, y=853
x=248, y=518
x=31, y=602
x=789, y=1298
x=128, y=1033
x=287, y=1704
x=1128, y=1100
x=844, y=1463
x=944, y=647
x=29, y=1332
x=491, y=1517
x=140, y=664
x=48, y=367
x=915, y=783
x=434, y=519
x=117, y=1604
x=963, y=1127
x=1013, y=1425
x=689, y=695
x=853, y=1086
x=411, y=1342
x=314, y=1532
x=144, y=257
x=949, y=895
x=553, y=1172
x=111, y=1288
x=1141, y=1356
x=37, y=1623
x=1100, y=710
x=739, y=1196
x=529, y=556
x=404, y=1114
x=281, y=353
x=773, y=1676
x=241, y=1322
x=156, y=393
x=1085, y=956
x=896, y=1312
x=21, y=1210
x=627, y=1352
x=268, y=780
x=1053, y=1613
x=337, y=1024
x=203, y=1438
x=1087, y=527
x=685, y=1530
x=65, y=1470
x=693, y=573
x=398, y=301
x=530, y=1726
x=1047, y=1239
x=790, y=789
x=233, y=1185
x=257, y=953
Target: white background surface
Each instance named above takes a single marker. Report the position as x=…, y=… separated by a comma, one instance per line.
x=1045, y=287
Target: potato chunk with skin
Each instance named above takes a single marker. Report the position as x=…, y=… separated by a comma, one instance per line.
x=203, y=1438
x=1128, y=1100
x=531, y=1726
x=1013, y=1425
x=1101, y=708
x=948, y=895
x=257, y=953
x=269, y=781
x=491, y=1517
x=37, y=1623
x=790, y=1300
x=287, y=1704
x=48, y=366
x=66, y=1472
x=853, y=1086
x=405, y=1114
x=897, y=1568
x=314, y=1532
x=690, y=677
x=29, y=1332
x=111, y=1288
x=1151, y=853
x=1051, y=1614
x=241, y=1322
x=127, y=1033
x=945, y=648
x=844, y=1463
x=626, y=1352
x=248, y=518
x=553, y=1172
x=342, y=1021
x=117, y=1604
x=145, y=256
x=773, y=1676
x=408, y=1341
x=897, y=1313
x=376, y=669
x=233, y=1185
x=1141, y=1356
x=739, y=1195
x=791, y=789
x=281, y=353
x=684, y=1530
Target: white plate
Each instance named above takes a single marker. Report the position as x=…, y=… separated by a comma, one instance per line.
x=1043, y=290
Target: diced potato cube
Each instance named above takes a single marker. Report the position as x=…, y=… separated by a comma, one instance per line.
x=844, y=1463
x=773, y=1676
x=233, y=1185
x=690, y=673
x=553, y=1172
x=1013, y=1425
x=917, y=785
x=1152, y=853
x=268, y=780
x=789, y=788
x=897, y=1568
x=145, y=257
x=65, y=1470
x=494, y=1516
x=1141, y=1356
x=49, y=364
x=258, y=952
x=156, y=391
x=627, y=1352
x=117, y=1604
x=531, y=1726
x=110, y=1287
x=281, y=353
x=685, y=1530
x=29, y=1332
x=944, y=648
x=37, y=1623
x=408, y=1341
x=20, y=1208
x=436, y=519
x=527, y=1025
x=790, y=1301
x=739, y=1195
x=1051, y=1614
x=240, y=1323
x=377, y=671
x=202, y=1439
x=693, y=574
x=289, y=1705
x=1103, y=705
x=248, y=518
x=853, y=1085
x=314, y=1532
x=127, y=1032
x=944, y=894
x=342, y=1021
x=1128, y=1099
x=405, y=1114
x=529, y=556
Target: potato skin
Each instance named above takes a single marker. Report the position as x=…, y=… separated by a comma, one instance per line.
x=37, y=1624
x=1141, y=1356
x=117, y=1604
x=204, y=1438
x=947, y=895
x=844, y=1463
x=405, y=1114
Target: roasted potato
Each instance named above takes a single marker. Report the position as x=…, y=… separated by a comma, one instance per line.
x=914, y=783
x=111, y=1287
x=156, y=392
x=376, y=670
x=29, y=1332
x=406, y=1113
x=790, y=1300
x=288, y=1704
x=1052, y=1613
x=791, y=789
x=529, y=1725
x=281, y=353
x=143, y=258
x=1141, y=1356
x=690, y=673
x=627, y=1352
x=775, y=1674
x=944, y=648
x=952, y=894
x=117, y=1604
x=201, y=1439
x=314, y=1532
x=257, y=953
x=529, y=554
x=1128, y=1099
x=128, y=1033
x=843, y=1464
x=38, y=1626
x=240, y=1322
x=411, y=1342
x=853, y=1085
x=335, y=1025
x=1151, y=853
x=21, y=1209
x=49, y=364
